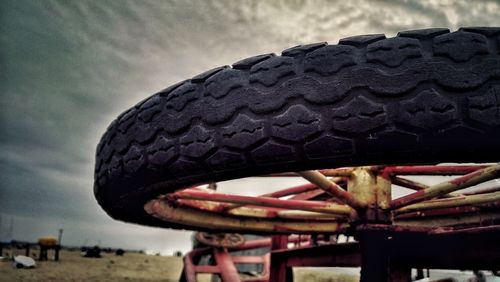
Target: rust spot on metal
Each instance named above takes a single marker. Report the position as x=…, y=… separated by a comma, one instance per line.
x=466, y=178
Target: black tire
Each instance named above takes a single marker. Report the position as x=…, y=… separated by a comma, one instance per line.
x=425, y=96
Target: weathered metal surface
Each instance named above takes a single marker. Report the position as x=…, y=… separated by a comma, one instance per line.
x=458, y=201
x=446, y=187
x=433, y=169
x=430, y=245
x=369, y=191
x=362, y=186
x=462, y=216
x=285, y=192
x=279, y=270
x=222, y=208
x=374, y=256
x=308, y=195
x=315, y=206
x=212, y=221
x=415, y=224
x=410, y=184
x=467, y=231
x=305, y=215
x=228, y=271
x=220, y=240
x=393, y=229
x=332, y=188
x=343, y=172
x=225, y=262
x=384, y=194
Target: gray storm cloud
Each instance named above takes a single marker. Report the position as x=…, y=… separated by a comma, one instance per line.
x=68, y=68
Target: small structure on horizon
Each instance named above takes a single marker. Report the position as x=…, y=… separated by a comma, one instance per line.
x=47, y=243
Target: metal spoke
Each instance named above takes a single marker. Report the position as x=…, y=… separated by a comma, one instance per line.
x=452, y=202
x=444, y=188
x=164, y=210
x=410, y=184
x=315, y=206
x=331, y=188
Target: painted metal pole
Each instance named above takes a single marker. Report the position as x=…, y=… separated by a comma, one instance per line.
x=316, y=206
x=331, y=188
x=452, y=202
x=403, y=182
x=164, y=210
x=279, y=271
x=374, y=257
x=228, y=272
x=444, y=188
x=433, y=169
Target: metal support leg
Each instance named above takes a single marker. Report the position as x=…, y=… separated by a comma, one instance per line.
x=374, y=257
x=399, y=273
x=279, y=271
x=56, y=256
x=228, y=271
x=420, y=274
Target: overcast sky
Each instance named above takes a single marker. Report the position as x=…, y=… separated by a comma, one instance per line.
x=68, y=68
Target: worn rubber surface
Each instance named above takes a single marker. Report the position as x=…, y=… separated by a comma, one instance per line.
x=425, y=96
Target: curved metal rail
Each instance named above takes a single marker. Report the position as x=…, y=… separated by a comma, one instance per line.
x=336, y=205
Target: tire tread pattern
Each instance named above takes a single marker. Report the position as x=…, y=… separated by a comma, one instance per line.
x=316, y=104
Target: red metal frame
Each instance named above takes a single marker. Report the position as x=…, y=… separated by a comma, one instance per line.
x=354, y=201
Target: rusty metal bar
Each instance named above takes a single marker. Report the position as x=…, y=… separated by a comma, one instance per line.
x=222, y=208
x=331, y=188
x=433, y=169
x=451, y=202
x=162, y=209
x=279, y=270
x=284, y=192
x=291, y=191
x=384, y=194
x=456, y=212
x=189, y=269
x=467, y=231
x=444, y=188
x=410, y=184
x=392, y=229
x=315, y=206
x=228, y=272
x=362, y=186
x=375, y=254
x=343, y=173
x=450, y=217
x=256, y=212
x=308, y=195
x=247, y=260
x=305, y=215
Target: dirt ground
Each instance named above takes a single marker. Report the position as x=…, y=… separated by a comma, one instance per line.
x=130, y=267
x=141, y=267
x=73, y=267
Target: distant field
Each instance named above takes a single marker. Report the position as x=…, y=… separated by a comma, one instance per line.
x=130, y=267
x=73, y=267
x=140, y=267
